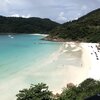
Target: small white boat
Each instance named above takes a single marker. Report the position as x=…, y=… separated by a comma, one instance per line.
x=10, y=36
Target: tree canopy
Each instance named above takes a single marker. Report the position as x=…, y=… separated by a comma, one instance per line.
x=87, y=88
x=86, y=28
x=21, y=25
x=35, y=92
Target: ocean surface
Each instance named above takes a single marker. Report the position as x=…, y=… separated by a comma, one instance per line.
x=26, y=59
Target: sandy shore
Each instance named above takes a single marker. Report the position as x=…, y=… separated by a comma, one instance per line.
x=90, y=65
x=80, y=73
x=72, y=63
x=93, y=61
x=90, y=60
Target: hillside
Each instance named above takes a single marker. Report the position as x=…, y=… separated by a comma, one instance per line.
x=86, y=28
x=25, y=25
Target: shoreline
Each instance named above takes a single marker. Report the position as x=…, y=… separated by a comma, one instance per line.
x=90, y=64
x=45, y=35
x=74, y=73
x=55, y=39
x=89, y=68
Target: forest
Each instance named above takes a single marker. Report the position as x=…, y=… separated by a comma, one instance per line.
x=84, y=29
x=19, y=25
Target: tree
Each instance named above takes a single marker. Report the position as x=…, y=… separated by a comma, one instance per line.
x=86, y=28
x=69, y=93
x=87, y=88
x=35, y=92
x=20, y=25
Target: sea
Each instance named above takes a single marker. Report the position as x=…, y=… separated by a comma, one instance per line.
x=27, y=59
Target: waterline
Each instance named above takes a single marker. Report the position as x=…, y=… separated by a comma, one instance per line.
x=29, y=60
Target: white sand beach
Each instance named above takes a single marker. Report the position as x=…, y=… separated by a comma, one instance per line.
x=90, y=59
x=90, y=65
x=93, y=58
x=71, y=63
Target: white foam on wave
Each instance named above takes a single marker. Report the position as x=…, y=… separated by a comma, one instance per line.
x=40, y=34
x=77, y=49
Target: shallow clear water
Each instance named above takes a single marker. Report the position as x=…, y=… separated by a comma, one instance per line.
x=26, y=59
x=22, y=51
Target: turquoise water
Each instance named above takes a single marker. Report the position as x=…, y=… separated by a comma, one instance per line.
x=22, y=51
x=26, y=59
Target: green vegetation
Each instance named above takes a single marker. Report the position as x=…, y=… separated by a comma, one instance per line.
x=86, y=28
x=87, y=88
x=25, y=25
x=35, y=92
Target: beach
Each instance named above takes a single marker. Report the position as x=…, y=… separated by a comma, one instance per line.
x=32, y=60
x=94, y=59
x=90, y=60
x=89, y=63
